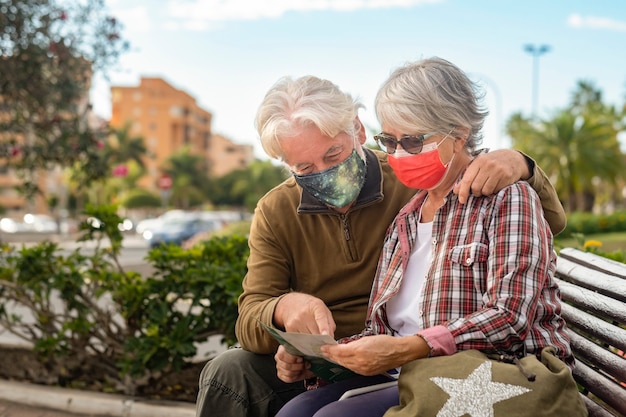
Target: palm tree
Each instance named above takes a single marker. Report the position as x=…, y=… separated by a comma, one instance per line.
x=124, y=156
x=253, y=182
x=122, y=147
x=191, y=183
x=578, y=147
x=585, y=95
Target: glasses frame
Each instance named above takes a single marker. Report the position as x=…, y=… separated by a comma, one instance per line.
x=404, y=142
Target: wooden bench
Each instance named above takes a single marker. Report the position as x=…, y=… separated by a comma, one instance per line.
x=593, y=289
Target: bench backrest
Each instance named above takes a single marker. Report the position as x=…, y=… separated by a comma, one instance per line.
x=593, y=289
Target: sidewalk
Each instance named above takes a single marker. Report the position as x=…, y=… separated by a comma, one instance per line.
x=29, y=400
x=17, y=410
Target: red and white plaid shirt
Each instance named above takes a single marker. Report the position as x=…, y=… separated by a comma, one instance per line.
x=490, y=283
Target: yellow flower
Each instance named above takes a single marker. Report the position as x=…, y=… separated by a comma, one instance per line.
x=593, y=244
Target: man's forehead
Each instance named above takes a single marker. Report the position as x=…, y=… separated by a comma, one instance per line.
x=305, y=148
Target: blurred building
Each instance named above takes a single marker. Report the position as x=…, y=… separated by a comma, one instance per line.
x=169, y=119
x=51, y=181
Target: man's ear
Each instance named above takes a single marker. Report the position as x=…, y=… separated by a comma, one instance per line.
x=361, y=131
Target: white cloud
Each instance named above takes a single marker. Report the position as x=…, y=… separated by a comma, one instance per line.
x=594, y=22
x=135, y=19
x=202, y=15
x=198, y=14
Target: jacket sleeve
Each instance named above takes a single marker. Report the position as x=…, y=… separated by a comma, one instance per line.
x=266, y=281
x=552, y=208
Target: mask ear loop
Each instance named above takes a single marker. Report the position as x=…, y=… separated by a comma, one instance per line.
x=446, y=165
x=432, y=146
x=445, y=137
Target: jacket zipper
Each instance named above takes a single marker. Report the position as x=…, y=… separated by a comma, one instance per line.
x=346, y=231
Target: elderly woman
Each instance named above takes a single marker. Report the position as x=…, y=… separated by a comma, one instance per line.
x=451, y=276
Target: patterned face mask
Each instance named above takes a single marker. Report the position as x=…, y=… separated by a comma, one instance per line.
x=336, y=186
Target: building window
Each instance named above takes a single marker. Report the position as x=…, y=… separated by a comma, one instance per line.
x=186, y=134
x=176, y=111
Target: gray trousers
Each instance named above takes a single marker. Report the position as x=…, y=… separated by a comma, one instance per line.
x=238, y=383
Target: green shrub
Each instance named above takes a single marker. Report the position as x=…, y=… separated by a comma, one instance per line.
x=589, y=223
x=86, y=315
x=140, y=198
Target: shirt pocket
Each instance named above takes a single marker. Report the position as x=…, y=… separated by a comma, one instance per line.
x=468, y=255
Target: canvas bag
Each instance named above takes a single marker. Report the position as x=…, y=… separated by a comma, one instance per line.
x=469, y=383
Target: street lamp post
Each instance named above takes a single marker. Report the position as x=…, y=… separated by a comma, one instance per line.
x=536, y=52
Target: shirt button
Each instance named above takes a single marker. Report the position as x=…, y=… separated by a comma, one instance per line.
x=468, y=261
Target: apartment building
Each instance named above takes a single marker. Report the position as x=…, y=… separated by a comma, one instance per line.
x=169, y=119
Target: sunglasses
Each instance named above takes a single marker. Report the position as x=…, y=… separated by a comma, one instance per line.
x=411, y=144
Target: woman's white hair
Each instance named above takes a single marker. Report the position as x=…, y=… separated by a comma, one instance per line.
x=432, y=96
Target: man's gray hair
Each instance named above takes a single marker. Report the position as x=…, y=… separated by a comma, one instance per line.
x=295, y=103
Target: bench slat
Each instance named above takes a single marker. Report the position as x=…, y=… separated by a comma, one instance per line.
x=609, y=392
x=610, y=363
x=590, y=300
x=613, y=335
x=611, y=286
x=593, y=290
x=593, y=261
x=595, y=409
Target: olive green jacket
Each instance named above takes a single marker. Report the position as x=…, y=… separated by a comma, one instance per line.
x=299, y=244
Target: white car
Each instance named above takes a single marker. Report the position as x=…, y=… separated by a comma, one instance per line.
x=8, y=225
x=147, y=226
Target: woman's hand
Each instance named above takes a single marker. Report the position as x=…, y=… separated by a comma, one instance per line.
x=290, y=368
x=373, y=355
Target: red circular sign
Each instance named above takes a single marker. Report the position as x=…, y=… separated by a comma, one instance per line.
x=165, y=182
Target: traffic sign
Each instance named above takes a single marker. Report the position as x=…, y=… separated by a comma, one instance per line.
x=165, y=182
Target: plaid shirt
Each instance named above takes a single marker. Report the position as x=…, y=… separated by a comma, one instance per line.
x=490, y=283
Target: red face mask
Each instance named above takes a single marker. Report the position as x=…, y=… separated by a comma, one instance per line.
x=423, y=171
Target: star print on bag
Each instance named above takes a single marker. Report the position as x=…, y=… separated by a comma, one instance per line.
x=476, y=394
x=496, y=384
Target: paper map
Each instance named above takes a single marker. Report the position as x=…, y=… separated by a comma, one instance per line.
x=308, y=346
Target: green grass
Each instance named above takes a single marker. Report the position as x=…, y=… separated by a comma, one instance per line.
x=610, y=241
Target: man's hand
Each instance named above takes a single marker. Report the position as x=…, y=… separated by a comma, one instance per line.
x=303, y=313
x=290, y=368
x=491, y=172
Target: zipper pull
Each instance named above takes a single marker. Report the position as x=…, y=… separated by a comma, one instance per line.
x=346, y=231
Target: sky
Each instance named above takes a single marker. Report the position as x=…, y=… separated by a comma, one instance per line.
x=228, y=53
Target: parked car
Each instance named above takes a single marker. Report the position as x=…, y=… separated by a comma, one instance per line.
x=9, y=225
x=30, y=223
x=145, y=227
x=178, y=230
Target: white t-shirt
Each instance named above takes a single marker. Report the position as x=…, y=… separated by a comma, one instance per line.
x=404, y=308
